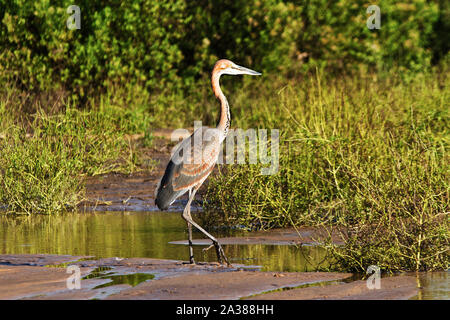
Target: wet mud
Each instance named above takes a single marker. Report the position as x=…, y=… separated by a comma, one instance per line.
x=45, y=277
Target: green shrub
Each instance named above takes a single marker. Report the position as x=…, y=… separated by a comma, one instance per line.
x=118, y=42
x=161, y=44
x=44, y=158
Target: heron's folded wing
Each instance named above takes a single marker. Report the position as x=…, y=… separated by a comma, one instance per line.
x=196, y=163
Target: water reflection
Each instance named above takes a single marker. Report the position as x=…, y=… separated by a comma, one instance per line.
x=138, y=234
x=132, y=279
x=433, y=286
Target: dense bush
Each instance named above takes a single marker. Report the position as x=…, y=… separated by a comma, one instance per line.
x=118, y=42
x=160, y=42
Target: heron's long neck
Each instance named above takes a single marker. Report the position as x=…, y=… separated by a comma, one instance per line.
x=224, y=122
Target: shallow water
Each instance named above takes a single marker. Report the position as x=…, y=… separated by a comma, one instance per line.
x=434, y=285
x=143, y=234
x=132, y=279
x=139, y=234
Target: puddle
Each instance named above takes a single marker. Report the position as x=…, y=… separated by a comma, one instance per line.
x=433, y=286
x=132, y=279
x=140, y=234
x=98, y=273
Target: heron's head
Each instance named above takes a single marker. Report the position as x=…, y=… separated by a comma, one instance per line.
x=225, y=66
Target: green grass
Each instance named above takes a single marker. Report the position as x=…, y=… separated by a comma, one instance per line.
x=44, y=157
x=367, y=155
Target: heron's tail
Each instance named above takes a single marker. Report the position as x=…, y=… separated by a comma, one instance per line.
x=164, y=196
x=164, y=193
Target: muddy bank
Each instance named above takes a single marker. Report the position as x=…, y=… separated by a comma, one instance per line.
x=45, y=277
x=391, y=288
x=221, y=285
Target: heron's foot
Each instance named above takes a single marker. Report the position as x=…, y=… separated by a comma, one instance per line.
x=220, y=253
x=191, y=261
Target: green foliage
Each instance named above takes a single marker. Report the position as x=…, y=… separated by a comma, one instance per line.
x=169, y=43
x=118, y=42
x=43, y=158
x=438, y=40
x=34, y=178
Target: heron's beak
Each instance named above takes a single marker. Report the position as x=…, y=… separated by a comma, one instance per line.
x=244, y=70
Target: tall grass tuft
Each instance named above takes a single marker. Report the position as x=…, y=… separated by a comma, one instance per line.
x=44, y=156
x=368, y=155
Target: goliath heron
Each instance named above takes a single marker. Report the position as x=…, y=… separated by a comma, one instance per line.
x=192, y=161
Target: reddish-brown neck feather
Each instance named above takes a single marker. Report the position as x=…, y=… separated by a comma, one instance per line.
x=224, y=121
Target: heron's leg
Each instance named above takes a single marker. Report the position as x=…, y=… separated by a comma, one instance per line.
x=189, y=225
x=187, y=216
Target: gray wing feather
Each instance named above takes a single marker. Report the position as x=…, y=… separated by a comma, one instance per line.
x=188, y=166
